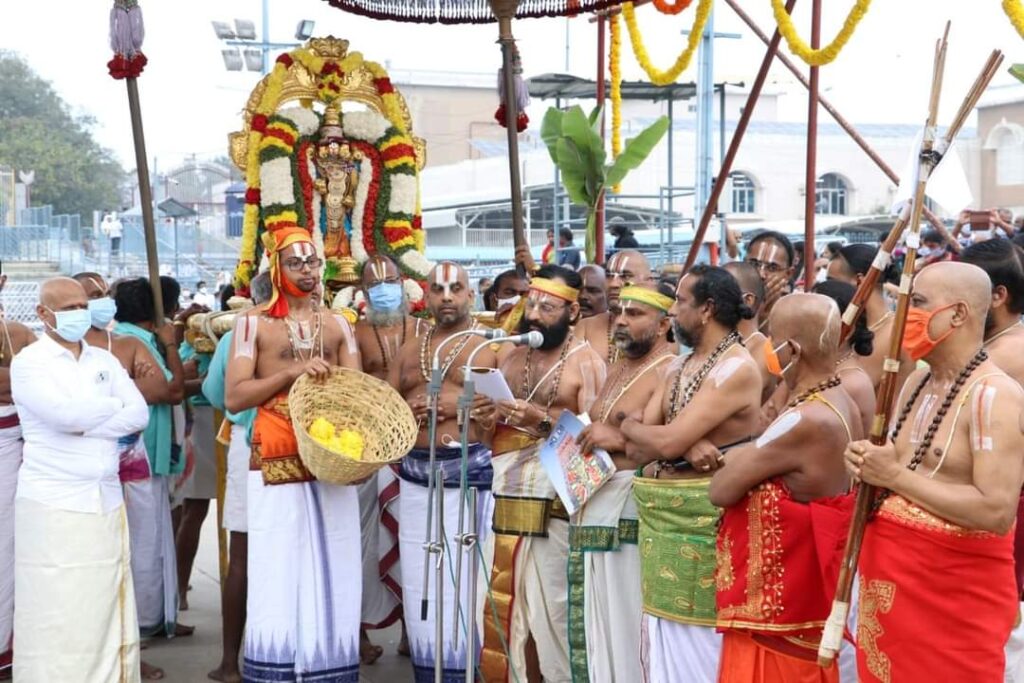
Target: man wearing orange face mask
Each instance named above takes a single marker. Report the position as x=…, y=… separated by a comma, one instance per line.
x=953, y=472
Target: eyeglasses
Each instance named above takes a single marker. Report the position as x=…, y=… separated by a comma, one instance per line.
x=545, y=307
x=769, y=266
x=296, y=264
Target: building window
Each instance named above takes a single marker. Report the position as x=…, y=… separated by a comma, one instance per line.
x=744, y=194
x=830, y=195
x=1009, y=159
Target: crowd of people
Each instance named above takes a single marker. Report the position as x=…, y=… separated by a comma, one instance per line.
x=735, y=411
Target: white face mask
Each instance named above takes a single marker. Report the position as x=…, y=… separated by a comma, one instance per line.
x=511, y=301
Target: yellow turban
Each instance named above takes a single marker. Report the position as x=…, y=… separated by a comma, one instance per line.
x=543, y=284
x=651, y=297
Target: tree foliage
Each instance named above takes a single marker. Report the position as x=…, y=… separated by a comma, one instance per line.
x=38, y=132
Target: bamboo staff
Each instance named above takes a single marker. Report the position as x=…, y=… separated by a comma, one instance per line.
x=931, y=155
x=839, y=118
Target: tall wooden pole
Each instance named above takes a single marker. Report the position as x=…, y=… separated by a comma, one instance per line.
x=504, y=10
x=602, y=22
x=146, y=198
x=734, y=145
x=811, y=167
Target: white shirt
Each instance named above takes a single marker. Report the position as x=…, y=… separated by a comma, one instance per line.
x=113, y=228
x=72, y=414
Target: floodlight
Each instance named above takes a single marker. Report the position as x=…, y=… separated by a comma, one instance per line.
x=253, y=59
x=304, y=30
x=223, y=30
x=232, y=58
x=245, y=29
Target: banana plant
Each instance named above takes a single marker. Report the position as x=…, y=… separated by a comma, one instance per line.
x=574, y=142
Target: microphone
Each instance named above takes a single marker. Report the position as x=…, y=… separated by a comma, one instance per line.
x=491, y=334
x=533, y=339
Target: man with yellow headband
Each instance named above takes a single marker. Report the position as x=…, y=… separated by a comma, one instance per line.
x=531, y=527
x=604, y=563
x=624, y=268
x=710, y=400
x=305, y=580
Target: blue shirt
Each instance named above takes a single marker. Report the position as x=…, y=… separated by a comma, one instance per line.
x=213, y=385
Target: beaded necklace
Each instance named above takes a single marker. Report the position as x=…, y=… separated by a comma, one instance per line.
x=819, y=388
x=300, y=344
x=385, y=358
x=681, y=396
x=613, y=350
x=426, y=345
x=556, y=381
x=933, y=428
x=607, y=401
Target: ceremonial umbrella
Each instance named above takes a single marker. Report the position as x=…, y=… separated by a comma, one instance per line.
x=482, y=12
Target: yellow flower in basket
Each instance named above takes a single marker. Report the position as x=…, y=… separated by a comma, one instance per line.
x=345, y=442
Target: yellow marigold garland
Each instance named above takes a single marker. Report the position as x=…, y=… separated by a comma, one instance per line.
x=657, y=76
x=615, y=71
x=1015, y=10
x=828, y=53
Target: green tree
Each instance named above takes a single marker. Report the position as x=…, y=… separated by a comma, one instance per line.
x=38, y=132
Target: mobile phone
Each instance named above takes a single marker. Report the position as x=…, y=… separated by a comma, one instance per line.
x=980, y=220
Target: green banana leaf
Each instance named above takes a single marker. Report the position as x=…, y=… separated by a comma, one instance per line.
x=576, y=127
x=574, y=168
x=636, y=151
x=1018, y=71
x=551, y=130
x=591, y=235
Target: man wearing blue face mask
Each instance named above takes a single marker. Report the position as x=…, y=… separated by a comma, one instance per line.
x=383, y=331
x=75, y=607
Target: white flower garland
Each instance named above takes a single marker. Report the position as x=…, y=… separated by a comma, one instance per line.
x=403, y=194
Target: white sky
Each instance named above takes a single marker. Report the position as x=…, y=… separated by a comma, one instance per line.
x=190, y=103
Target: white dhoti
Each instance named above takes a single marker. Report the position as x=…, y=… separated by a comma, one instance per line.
x=305, y=583
x=154, y=563
x=75, y=617
x=10, y=461
x=237, y=484
x=672, y=652
x=604, y=587
x=412, y=533
x=529, y=551
x=381, y=607
x=202, y=480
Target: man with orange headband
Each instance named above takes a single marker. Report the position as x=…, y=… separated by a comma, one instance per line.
x=304, y=600
x=624, y=268
x=939, y=551
x=708, y=401
x=604, y=562
x=531, y=528
x=449, y=300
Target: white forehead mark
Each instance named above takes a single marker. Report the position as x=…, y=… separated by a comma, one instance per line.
x=446, y=275
x=782, y=426
x=303, y=249
x=726, y=369
x=379, y=268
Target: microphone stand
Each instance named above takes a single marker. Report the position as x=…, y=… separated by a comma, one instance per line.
x=468, y=497
x=434, y=542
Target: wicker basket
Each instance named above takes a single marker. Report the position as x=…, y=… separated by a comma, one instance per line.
x=351, y=400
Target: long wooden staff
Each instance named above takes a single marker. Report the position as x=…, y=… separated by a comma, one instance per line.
x=931, y=155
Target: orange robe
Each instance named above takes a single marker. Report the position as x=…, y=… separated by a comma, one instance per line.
x=937, y=601
x=275, y=450
x=778, y=560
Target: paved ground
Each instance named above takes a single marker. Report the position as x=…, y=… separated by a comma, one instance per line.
x=187, y=660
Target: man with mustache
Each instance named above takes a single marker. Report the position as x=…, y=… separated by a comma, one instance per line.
x=604, y=562
x=449, y=300
x=624, y=267
x=710, y=400
x=530, y=525
x=381, y=335
x=303, y=616
x=593, y=296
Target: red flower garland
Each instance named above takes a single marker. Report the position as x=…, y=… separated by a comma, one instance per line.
x=122, y=67
x=522, y=121
x=306, y=183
